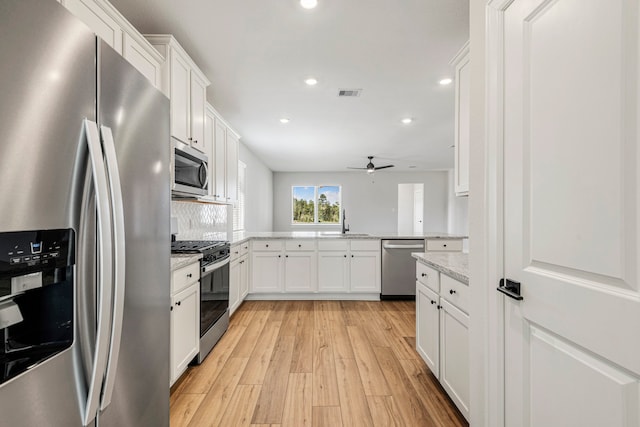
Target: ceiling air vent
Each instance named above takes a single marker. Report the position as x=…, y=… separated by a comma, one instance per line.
x=349, y=92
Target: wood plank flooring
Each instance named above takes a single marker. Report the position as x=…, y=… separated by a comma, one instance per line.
x=314, y=363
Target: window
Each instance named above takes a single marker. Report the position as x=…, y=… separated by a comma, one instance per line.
x=239, y=209
x=318, y=204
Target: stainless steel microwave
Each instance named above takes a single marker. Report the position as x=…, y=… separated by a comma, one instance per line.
x=190, y=171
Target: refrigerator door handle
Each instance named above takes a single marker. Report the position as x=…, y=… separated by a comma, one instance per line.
x=117, y=211
x=105, y=269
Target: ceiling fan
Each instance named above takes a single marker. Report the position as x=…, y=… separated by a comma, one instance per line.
x=370, y=166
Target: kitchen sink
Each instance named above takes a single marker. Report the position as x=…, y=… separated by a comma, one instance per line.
x=339, y=234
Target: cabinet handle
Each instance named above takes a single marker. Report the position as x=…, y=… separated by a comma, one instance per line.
x=433, y=302
x=445, y=245
x=236, y=252
x=267, y=246
x=178, y=303
x=286, y=256
x=345, y=256
x=439, y=307
x=424, y=274
x=279, y=256
x=171, y=308
x=351, y=256
x=190, y=139
x=452, y=291
x=299, y=246
x=189, y=275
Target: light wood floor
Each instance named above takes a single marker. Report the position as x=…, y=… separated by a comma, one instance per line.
x=314, y=363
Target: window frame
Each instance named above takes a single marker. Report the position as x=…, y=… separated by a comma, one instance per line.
x=315, y=222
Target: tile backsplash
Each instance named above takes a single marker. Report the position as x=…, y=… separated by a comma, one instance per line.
x=201, y=221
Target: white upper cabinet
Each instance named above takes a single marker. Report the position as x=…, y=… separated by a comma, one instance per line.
x=462, y=120
x=117, y=32
x=232, y=166
x=220, y=160
x=223, y=151
x=186, y=86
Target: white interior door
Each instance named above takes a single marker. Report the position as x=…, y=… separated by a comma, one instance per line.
x=572, y=345
x=418, y=208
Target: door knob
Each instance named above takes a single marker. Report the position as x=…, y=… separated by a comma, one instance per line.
x=510, y=289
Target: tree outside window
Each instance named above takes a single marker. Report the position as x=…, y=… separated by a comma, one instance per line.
x=316, y=204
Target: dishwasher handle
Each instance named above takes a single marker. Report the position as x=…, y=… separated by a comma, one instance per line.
x=403, y=246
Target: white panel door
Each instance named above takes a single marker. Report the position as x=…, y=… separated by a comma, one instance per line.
x=364, y=272
x=333, y=271
x=184, y=329
x=210, y=151
x=266, y=268
x=428, y=327
x=234, y=285
x=137, y=56
x=244, y=278
x=454, y=355
x=180, y=94
x=220, y=160
x=300, y=272
x=572, y=345
x=198, y=91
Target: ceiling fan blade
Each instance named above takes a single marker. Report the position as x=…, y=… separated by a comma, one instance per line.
x=349, y=167
x=384, y=167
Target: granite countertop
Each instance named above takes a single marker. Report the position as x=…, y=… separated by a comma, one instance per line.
x=182, y=260
x=240, y=237
x=453, y=264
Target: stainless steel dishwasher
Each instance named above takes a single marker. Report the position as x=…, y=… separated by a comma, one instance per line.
x=399, y=268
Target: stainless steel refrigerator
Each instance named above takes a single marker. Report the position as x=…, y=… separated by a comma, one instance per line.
x=84, y=228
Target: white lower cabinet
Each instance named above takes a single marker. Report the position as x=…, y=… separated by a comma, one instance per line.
x=428, y=327
x=333, y=271
x=442, y=334
x=300, y=271
x=454, y=355
x=184, y=329
x=364, y=271
x=276, y=267
x=238, y=276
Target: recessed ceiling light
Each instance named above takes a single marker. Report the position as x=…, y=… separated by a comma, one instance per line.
x=284, y=120
x=407, y=120
x=445, y=82
x=308, y=4
x=311, y=81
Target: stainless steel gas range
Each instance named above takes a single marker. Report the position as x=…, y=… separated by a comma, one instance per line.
x=214, y=289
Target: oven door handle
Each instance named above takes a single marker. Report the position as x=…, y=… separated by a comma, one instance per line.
x=216, y=266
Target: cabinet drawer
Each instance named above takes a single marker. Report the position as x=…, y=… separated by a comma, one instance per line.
x=300, y=245
x=444, y=245
x=184, y=277
x=244, y=248
x=267, y=245
x=428, y=276
x=455, y=292
x=365, y=245
x=333, y=245
x=236, y=252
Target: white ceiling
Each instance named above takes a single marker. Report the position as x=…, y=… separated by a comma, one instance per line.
x=257, y=54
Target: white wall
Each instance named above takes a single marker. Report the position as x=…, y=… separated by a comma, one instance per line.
x=259, y=192
x=371, y=202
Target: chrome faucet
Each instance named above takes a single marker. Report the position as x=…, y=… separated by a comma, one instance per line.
x=345, y=227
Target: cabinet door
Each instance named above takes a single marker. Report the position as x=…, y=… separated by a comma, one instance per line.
x=454, y=355
x=209, y=142
x=98, y=20
x=196, y=115
x=333, y=273
x=266, y=272
x=300, y=272
x=180, y=93
x=232, y=167
x=364, y=271
x=184, y=329
x=220, y=159
x=144, y=62
x=234, y=285
x=244, y=278
x=428, y=327
x=462, y=123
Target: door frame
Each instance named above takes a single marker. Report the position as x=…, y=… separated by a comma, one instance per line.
x=488, y=392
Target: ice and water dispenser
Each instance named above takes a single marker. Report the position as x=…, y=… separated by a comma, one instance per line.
x=36, y=297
